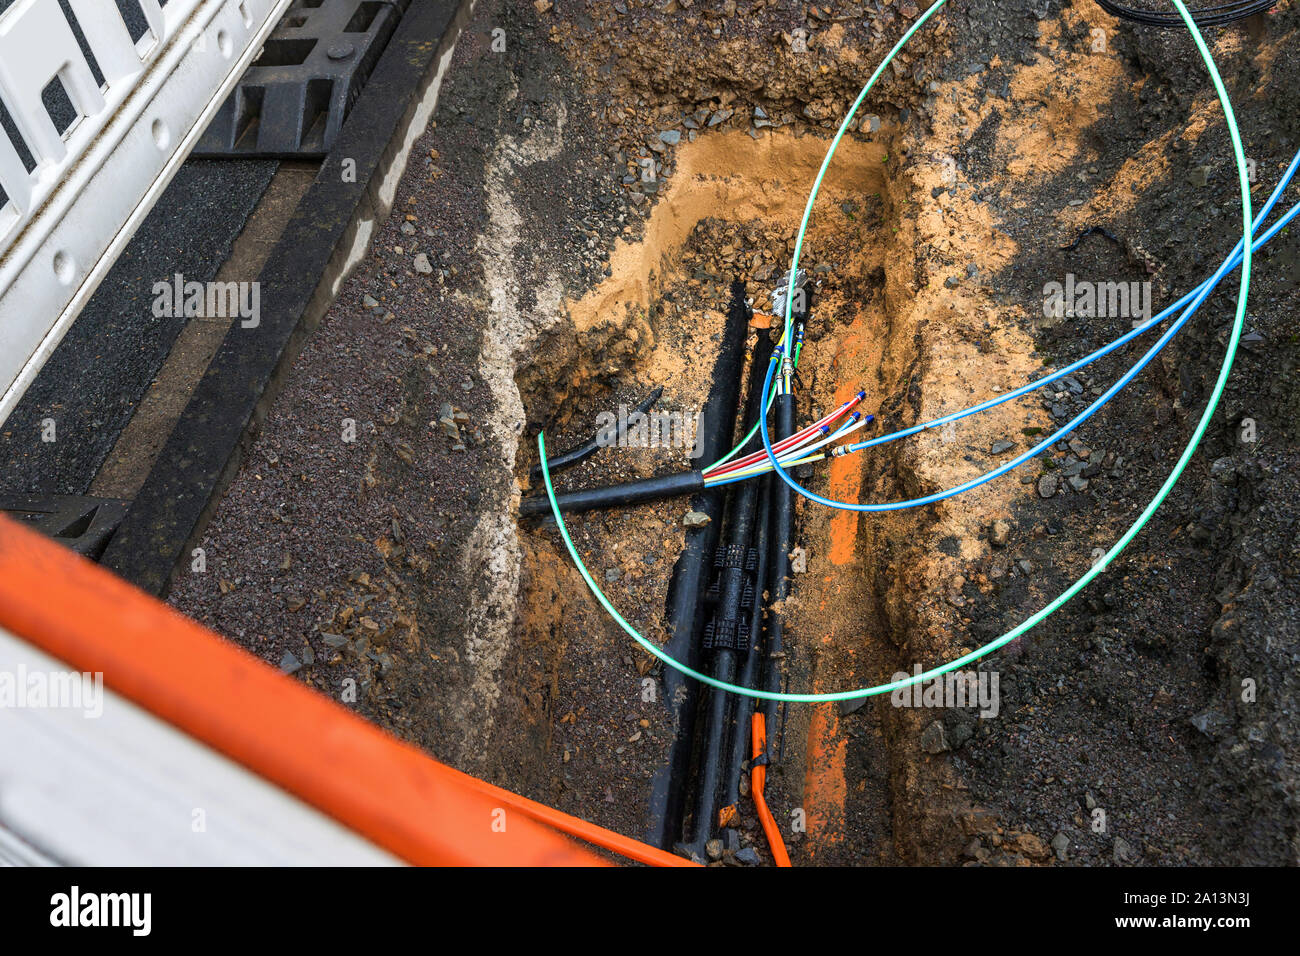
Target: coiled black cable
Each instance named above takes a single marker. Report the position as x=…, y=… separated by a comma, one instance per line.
x=1204, y=17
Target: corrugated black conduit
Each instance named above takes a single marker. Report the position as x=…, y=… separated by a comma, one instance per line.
x=679, y=696
x=728, y=634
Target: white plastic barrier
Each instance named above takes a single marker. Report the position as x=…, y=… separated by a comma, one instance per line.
x=66, y=220
x=89, y=779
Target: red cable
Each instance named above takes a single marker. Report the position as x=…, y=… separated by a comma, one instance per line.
x=787, y=444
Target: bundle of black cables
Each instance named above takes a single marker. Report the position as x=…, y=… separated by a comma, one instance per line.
x=1204, y=17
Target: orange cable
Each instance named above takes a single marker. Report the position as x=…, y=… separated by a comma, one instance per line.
x=758, y=778
x=577, y=827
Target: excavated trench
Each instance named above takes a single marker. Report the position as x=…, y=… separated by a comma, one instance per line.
x=846, y=774
x=1002, y=137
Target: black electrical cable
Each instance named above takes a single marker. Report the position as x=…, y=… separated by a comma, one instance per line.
x=616, y=496
x=716, y=784
x=678, y=695
x=1092, y=230
x=574, y=455
x=750, y=660
x=779, y=564
x=1204, y=17
x=779, y=569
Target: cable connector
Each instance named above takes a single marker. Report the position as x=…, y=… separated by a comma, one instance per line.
x=783, y=289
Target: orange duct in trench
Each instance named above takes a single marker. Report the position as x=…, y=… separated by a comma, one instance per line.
x=389, y=792
x=757, y=780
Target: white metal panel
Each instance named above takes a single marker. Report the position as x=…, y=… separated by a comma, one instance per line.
x=126, y=789
x=70, y=217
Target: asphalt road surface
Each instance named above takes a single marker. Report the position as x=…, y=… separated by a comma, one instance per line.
x=106, y=362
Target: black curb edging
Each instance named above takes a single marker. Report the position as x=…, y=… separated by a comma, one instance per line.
x=203, y=452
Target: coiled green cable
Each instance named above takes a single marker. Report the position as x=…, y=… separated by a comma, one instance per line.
x=1102, y=563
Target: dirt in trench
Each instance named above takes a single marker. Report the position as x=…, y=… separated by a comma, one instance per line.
x=565, y=283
